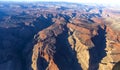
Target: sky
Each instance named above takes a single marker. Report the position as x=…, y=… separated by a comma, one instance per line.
x=77, y=1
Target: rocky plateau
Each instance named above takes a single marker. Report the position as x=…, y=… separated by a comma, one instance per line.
x=59, y=36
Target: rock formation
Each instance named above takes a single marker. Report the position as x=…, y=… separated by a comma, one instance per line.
x=55, y=36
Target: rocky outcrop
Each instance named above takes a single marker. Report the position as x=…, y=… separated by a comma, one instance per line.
x=112, y=50
x=45, y=47
x=80, y=41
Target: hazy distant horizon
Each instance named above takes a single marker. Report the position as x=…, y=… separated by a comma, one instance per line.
x=112, y=2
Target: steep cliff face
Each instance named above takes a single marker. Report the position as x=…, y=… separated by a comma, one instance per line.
x=45, y=48
x=79, y=39
x=112, y=50
x=95, y=47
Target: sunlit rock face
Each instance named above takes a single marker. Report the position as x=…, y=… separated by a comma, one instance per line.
x=59, y=36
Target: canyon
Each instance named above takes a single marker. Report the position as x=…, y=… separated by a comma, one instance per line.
x=55, y=36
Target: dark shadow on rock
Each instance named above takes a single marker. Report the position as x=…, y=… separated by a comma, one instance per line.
x=97, y=53
x=41, y=63
x=66, y=17
x=65, y=57
x=18, y=41
x=116, y=66
x=42, y=22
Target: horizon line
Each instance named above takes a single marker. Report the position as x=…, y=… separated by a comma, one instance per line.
x=100, y=3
